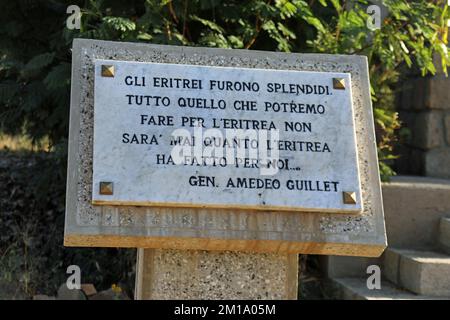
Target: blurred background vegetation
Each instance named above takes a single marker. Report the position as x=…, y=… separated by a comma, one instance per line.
x=35, y=61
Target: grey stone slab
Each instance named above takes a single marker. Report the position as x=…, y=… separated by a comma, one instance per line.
x=218, y=229
x=436, y=162
x=437, y=93
x=424, y=272
x=428, y=130
x=356, y=289
x=426, y=93
x=413, y=208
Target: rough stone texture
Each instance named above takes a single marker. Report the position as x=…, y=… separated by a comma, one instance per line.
x=424, y=272
x=428, y=131
x=424, y=105
x=424, y=149
x=181, y=274
x=438, y=93
x=290, y=232
x=444, y=234
x=425, y=93
x=391, y=265
x=437, y=163
x=420, y=94
x=413, y=208
x=356, y=289
x=447, y=128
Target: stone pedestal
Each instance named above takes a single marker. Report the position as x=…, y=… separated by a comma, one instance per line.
x=194, y=274
x=230, y=267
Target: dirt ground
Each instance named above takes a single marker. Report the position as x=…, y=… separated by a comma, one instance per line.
x=33, y=259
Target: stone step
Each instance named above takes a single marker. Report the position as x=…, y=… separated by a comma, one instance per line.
x=444, y=235
x=422, y=272
x=356, y=289
x=413, y=208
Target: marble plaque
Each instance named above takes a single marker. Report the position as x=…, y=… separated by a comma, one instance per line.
x=122, y=217
x=184, y=135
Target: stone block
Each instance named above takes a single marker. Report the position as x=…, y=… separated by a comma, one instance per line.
x=438, y=93
x=425, y=93
x=444, y=235
x=391, y=262
x=427, y=130
x=413, y=207
x=437, y=163
x=425, y=272
x=447, y=128
x=188, y=274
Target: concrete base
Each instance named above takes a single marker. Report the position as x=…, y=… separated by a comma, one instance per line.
x=356, y=289
x=181, y=274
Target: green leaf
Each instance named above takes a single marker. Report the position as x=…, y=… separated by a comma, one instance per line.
x=211, y=25
x=119, y=23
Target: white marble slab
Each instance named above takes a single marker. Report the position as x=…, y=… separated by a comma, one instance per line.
x=138, y=179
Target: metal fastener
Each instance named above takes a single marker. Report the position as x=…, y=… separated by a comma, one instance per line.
x=339, y=83
x=349, y=197
x=106, y=188
x=107, y=71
